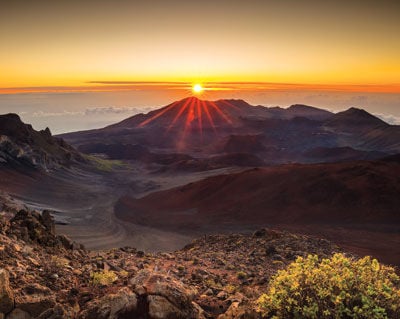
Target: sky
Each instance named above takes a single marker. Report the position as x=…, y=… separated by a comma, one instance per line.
x=151, y=52
x=47, y=42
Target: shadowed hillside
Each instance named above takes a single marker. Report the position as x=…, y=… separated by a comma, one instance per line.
x=353, y=195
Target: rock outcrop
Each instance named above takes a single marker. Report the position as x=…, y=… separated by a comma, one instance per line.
x=123, y=304
x=35, y=227
x=6, y=294
x=21, y=145
x=165, y=297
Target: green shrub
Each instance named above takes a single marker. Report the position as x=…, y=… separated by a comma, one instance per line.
x=338, y=287
x=103, y=278
x=241, y=275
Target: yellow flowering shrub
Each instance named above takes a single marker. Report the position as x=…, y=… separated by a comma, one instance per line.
x=103, y=278
x=338, y=287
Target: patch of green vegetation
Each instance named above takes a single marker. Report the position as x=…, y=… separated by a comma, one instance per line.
x=105, y=164
x=337, y=287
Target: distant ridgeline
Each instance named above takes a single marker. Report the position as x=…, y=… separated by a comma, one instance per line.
x=235, y=130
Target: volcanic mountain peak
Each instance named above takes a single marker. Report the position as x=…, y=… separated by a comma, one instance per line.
x=357, y=116
x=190, y=111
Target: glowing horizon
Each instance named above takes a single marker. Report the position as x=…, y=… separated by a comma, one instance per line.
x=111, y=86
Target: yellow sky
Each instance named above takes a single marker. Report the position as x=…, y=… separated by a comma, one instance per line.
x=70, y=43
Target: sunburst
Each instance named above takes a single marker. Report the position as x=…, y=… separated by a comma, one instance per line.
x=193, y=111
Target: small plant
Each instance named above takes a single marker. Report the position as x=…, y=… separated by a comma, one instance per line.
x=338, y=287
x=180, y=268
x=230, y=289
x=241, y=275
x=59, y=262
x=213, y=283
x=103, y=278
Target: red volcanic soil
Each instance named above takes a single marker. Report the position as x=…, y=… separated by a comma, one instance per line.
x=357, y=192
x=362, y=195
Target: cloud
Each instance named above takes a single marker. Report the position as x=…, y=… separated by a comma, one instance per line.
x=55, y=114
x=116, y=110
x=92, y=111
x=389, y=118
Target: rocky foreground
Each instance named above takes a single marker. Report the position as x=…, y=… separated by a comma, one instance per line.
x=44, y=275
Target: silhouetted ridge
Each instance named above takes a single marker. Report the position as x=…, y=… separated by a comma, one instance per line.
x=355, y=116
x=310, y=112
x=201, y=128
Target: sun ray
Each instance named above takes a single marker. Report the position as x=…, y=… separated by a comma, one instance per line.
x=145, y=122
x=178, y=115
x=222, y=114
x=229, y=104
x=207, y=111
x=199, y=117
x=195, y=115
x=189, y=118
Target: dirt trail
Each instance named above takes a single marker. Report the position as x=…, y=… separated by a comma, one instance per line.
x=84, y=201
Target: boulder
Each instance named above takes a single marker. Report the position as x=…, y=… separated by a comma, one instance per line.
x=18, y=314
x=6, y=294
x=35, y=300
x=48, y=221
x=121, y=305
x=36, y=288
x=58, y=312
x=270, y=234
x=162, y=308
x=165, y=297
x=65, y=242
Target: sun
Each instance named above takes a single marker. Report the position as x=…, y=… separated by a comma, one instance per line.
x=197, y=88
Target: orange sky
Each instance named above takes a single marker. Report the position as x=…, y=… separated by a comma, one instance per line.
x=72, y=43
